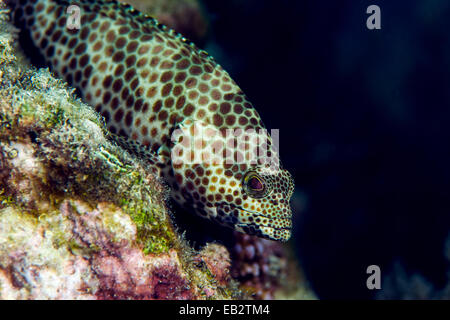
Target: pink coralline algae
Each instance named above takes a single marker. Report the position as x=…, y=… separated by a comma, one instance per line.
x=87, y=259
x=218, y=262
x=124, y=272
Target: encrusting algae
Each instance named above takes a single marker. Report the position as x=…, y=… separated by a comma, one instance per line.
x=80, y=218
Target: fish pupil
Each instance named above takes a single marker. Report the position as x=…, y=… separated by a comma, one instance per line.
x=256, y=184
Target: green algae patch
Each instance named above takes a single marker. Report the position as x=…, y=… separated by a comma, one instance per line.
x=153, y=230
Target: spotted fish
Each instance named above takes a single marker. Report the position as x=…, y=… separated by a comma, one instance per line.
x=162, y=97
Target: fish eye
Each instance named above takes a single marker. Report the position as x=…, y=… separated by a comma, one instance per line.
x=254, y=185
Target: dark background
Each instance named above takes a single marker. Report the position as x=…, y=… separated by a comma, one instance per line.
x=364, y=121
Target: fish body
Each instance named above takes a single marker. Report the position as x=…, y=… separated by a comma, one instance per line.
x=169, y=102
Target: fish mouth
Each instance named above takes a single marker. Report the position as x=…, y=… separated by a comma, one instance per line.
x=267, y=230
x=259, y=214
